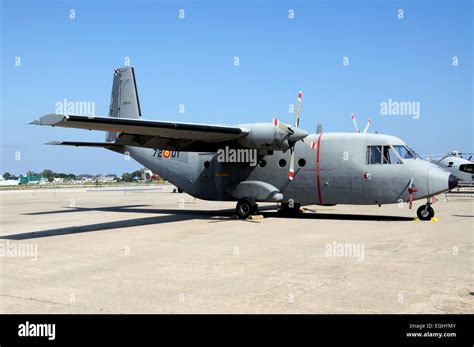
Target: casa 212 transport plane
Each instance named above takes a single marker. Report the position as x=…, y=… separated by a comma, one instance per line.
x=263, y=162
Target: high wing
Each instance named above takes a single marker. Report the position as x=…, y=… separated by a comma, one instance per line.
x=149, y=133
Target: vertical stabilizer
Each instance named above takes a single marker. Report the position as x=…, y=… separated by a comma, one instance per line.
x=124, y=102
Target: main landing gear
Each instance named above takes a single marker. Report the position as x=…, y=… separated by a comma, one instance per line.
x=425, y=212
x=246, y=207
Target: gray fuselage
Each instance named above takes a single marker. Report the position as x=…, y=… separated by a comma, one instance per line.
x=336, y=171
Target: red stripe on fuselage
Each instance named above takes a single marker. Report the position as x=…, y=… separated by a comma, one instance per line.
x=318, y=180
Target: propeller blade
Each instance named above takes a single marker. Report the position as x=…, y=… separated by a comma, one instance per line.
x=368, y=125
x=355, y=123
x=298, y=107
x=291, y=174
x=282, y=126
x=310, y=143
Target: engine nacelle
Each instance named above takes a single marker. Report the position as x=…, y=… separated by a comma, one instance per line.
x=264, y=136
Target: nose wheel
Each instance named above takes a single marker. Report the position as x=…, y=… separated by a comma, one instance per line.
x=246, y=207
x=425, y=212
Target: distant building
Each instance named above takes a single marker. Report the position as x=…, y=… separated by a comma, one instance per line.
x=32, y=180
x=105, y=179
x=4, y=182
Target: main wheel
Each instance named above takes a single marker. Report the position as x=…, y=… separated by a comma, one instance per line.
x=424, y=213
x=246, y=207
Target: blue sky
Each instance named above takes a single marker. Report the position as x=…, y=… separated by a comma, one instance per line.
x=191, y=62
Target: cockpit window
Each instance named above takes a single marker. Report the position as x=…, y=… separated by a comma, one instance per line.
x=374, y=154
x=413, y=153
x=469, y=168
x=382, y=155
x=389, y=156
x=405, y=152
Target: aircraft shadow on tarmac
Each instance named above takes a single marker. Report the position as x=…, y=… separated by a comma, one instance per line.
x=176, y=215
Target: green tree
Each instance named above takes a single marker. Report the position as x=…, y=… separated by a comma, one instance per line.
x=48, y=174
x=7, y=176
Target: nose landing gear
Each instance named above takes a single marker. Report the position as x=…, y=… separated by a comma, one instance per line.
x=425, y=212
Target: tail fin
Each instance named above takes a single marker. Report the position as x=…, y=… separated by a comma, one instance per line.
x=124, y=102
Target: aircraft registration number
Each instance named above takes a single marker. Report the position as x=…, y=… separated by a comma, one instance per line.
x=164, y=153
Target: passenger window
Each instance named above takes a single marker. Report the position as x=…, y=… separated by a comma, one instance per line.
x=374, y=154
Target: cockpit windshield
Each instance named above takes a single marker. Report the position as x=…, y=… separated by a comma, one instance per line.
x=405, y=152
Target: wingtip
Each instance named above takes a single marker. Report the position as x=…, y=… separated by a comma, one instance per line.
x=50, y=119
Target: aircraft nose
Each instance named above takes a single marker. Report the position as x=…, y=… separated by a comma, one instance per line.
x=440, y=180
x=452, y=182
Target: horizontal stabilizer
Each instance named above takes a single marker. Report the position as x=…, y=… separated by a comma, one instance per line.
x=107, y=145
x=83, y=144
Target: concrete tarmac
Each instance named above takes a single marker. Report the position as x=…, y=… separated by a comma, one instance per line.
x=120, y=250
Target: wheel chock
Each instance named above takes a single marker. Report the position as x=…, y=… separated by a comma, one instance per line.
x=434, y=219
x=255, y=217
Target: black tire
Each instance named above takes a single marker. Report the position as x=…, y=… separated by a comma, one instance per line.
x=246, y=207
x=180, y=190
x=254, y=208
x=424, y=213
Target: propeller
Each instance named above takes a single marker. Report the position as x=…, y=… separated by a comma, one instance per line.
x=355, y=123
x=369, y=122
x=283, y=126
x=310, y=143
x=295, y=134
x=298, y=107
x=291, y=174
